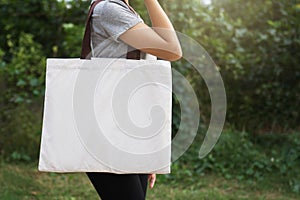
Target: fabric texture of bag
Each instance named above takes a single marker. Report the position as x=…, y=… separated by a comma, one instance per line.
x=107, y=115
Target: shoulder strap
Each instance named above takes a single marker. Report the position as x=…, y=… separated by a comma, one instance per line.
x=132, y=53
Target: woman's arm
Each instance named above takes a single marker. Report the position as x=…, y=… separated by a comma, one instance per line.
x=160, y=40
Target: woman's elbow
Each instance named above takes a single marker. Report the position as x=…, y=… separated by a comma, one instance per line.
x=175, y=54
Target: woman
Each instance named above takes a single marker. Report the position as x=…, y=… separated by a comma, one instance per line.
x=117, y=20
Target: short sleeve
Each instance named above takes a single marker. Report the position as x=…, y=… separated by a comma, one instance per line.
x=117, y=18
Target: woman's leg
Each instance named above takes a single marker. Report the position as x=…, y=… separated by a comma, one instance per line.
x=144, y=182
x=111, y=186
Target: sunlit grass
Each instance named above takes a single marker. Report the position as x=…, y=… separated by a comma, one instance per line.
x=25, y=182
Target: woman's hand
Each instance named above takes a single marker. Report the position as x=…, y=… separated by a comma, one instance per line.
x=151, y=179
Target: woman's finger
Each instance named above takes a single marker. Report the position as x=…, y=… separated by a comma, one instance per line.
x=151, y=178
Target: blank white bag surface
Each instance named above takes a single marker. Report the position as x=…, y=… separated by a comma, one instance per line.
x=107, y=115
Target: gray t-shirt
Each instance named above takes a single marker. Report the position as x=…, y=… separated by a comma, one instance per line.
x=110, y=19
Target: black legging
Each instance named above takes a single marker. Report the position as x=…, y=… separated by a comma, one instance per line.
x=111, y=186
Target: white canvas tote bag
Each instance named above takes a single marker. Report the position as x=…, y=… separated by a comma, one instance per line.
x=107, y=115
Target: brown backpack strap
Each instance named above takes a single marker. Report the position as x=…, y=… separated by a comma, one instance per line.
x=132, y=53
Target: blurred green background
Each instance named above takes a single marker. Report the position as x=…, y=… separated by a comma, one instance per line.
x=255, y=44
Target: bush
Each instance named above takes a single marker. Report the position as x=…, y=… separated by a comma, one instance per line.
x=20, y=133
x=23, y=82
x=244, y=156
x=256, y=45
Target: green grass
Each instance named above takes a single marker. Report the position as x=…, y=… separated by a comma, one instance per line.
x=20, y=181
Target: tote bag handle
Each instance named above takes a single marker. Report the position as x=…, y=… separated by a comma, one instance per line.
x=86, y=42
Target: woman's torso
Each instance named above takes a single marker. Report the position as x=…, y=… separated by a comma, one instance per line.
x=109, y=20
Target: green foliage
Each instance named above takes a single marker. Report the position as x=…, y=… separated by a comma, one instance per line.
x=25, y=73
x=20, y=129
x=287, y=159
x=244, y=157
x=43, y=19
x=72, y=42
x=23, y=80
x=256, y=45
x=265, y=88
